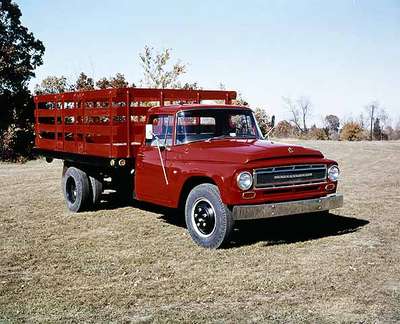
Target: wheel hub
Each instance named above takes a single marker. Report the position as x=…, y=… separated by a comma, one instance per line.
x=203, y=216
x=71, y=190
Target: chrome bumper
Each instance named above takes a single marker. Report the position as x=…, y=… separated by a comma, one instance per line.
x=241, y=212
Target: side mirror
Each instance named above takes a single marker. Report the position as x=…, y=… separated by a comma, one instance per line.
x=149, y=131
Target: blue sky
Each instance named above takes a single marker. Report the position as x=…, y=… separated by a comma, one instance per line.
x=341, y=54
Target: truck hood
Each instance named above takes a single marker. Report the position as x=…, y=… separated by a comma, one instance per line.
x=245, y=151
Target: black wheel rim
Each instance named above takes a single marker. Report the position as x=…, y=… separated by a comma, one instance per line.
x=203, y=217
x=71, y=190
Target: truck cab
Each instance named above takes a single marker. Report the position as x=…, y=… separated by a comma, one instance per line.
x=209, y=160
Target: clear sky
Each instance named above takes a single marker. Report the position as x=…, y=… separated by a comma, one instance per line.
x=341, y=54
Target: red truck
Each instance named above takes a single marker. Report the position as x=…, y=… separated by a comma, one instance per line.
x=171, y=148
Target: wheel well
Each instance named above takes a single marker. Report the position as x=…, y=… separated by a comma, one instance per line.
x=189, y=185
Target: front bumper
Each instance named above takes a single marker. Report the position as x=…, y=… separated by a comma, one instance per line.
x=241, y=212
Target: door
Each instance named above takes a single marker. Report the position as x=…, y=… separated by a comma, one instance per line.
x=151, y=176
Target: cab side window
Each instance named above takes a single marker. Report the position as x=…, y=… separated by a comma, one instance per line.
x=162, y=130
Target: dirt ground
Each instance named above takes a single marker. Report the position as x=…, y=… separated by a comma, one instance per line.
x=138, y=264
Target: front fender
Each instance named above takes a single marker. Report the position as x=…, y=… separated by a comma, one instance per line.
x=220, y=174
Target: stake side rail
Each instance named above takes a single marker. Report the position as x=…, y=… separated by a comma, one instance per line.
x=105, y=123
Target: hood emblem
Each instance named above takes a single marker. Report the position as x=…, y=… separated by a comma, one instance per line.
x=290, y=149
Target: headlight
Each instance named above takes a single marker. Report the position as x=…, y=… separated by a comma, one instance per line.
x=333, y=173
x=244, y=180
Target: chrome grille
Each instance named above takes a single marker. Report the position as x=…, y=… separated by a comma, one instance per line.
x=291, y=175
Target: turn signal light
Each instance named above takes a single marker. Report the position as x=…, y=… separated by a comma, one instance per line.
x=248, y=195
x=330, y=187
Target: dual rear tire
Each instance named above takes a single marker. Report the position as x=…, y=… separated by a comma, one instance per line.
x=82, y=191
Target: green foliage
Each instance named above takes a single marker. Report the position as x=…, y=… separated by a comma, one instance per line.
x=103, y=83
x=118, y=81
x=84, y=83
x=16, y=144
x=20, y=54
x=158, y=72
x=52, y=85
x=352, y=131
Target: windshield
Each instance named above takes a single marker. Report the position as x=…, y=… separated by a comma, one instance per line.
x=213, y=124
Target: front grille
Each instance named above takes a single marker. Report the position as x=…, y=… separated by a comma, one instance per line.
x=292, y=175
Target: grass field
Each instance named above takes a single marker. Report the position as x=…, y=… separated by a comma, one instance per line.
x=138, y=264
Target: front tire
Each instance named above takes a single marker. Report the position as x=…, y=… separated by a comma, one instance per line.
x=208, y=220
x=76, y=188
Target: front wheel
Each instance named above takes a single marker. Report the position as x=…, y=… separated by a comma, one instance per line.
x=208, y=220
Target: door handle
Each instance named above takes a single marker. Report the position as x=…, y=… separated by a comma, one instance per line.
x=140, y=154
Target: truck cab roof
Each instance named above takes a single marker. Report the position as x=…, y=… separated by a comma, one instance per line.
x=173, y=109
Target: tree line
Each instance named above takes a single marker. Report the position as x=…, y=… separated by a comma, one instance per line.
x=372, y=124
x=21, y=53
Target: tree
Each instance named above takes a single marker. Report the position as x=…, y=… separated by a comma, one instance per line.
x=263, y=120
x=300, y=111
x=377, y=130
x=389, y=133
x=351, y=131
x=240, y=101
x=191, y=86
x=317, y=133
x=52, y=84
x=83, y=83
x=20, y=54
x=285, y=129
x=118, y=81
x=158, y=71
x=332, y=124
x=371, y=109
x=103, y=83
x=396, y=132
x=384, y=118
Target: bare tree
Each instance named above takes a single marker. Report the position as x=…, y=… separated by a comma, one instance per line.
x=158, y=72
x=372, y=109
x=384, y=117
x=300, y=111
x=304, y=104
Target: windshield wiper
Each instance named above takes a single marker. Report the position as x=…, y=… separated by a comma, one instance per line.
x=229, y=136
x=217, y=137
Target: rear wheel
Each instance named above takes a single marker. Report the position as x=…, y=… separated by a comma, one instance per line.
x=76, y=188
x=96, y=189
x=208, y=220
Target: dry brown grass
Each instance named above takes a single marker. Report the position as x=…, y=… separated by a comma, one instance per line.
x=138, y=264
